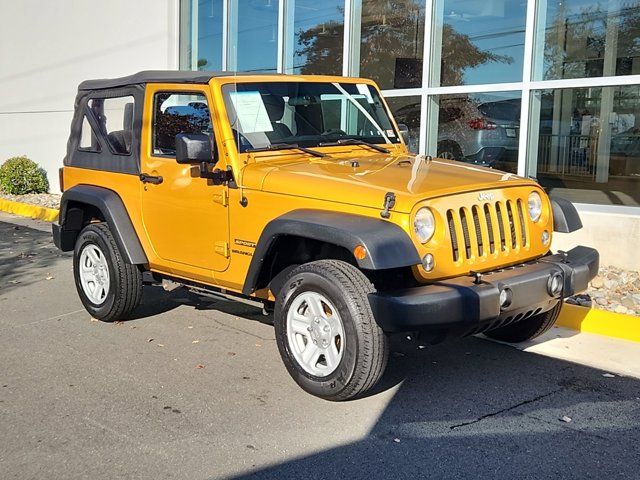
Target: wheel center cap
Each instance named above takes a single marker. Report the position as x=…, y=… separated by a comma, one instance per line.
x=320, y=332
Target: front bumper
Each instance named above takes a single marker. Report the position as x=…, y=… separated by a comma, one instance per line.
x=463, y=306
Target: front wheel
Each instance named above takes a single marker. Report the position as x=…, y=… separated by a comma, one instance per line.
x=527, y=329
x=326, y=333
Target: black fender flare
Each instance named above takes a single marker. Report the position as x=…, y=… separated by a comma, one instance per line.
x=387, y=245
x=566, y=218
x=115, y=214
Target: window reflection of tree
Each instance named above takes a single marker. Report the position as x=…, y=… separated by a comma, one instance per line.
x=392, y=29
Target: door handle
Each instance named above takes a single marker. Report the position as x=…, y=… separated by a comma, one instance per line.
x=146, y=178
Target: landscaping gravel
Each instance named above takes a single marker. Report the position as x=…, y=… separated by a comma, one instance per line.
x=614, y=289
x=49, y=200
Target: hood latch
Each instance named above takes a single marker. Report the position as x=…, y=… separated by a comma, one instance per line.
x=389, y=203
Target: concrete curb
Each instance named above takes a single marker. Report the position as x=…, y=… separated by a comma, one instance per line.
x=600, y=322
x=28, y=210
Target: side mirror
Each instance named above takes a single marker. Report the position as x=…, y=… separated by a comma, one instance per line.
x=193, y=148
x=404, y=132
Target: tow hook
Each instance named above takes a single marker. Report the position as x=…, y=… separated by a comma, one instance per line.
x=389, y=203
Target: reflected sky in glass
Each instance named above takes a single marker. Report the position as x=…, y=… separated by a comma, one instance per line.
x=482, y=41
x=318, y=29
x=209, y=35
x=257, y=42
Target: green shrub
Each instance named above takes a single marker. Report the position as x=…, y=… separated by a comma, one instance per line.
x=20, y=175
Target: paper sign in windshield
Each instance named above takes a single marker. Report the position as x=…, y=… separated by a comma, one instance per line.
x=251, y=112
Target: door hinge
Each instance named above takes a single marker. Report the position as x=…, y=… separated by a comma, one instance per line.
x=222, y=198
x=222, y=248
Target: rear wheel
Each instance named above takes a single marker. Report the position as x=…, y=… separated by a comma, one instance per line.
x=527, y=329
x=325, y=330
x=109, y=288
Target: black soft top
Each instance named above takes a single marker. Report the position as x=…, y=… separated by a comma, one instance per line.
x=155, y=76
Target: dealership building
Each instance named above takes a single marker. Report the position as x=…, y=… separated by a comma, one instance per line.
x=542, y=88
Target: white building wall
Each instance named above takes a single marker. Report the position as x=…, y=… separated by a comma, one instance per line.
x=48, y=47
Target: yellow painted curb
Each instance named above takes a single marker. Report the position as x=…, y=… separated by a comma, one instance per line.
x=601, y=322
x=27, y=210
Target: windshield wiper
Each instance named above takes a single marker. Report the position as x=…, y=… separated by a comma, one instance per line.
x=287, y=146
x=355, y=141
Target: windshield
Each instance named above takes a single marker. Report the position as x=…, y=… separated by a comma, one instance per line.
x=305, y=114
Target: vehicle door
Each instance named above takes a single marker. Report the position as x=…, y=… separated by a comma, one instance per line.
x=185, y=216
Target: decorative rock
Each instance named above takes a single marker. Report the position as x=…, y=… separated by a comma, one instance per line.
x=610, y=284
x=621, y=309
x=584, y=302
x=597, y=282
x=628, y=301
x=614, y=290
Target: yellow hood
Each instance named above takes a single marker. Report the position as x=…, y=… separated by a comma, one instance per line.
x=411, y=178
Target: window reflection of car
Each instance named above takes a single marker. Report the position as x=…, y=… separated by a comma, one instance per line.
x=483, y=134
x=480, y=133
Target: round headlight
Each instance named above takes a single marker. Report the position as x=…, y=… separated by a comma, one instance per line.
x=424, y=224
x=535, y=206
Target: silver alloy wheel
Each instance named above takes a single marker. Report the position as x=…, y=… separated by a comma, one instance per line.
x=315, y=334
x=447, y=155
x=94, y=273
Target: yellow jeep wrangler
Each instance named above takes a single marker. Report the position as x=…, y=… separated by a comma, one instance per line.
x=299, y=192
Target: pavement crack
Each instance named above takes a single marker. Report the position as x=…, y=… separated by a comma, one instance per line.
x=503, y=410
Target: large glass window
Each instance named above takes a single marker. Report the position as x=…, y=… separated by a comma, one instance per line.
x=391, y=42
x=253, y=43
x=587, y=38
x=585, y=143
x=406, y=110
x=479, y=128
x=201, y=34
x=478, y=41
x=318, y=37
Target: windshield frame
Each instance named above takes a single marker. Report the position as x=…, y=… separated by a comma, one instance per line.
x=390, y=137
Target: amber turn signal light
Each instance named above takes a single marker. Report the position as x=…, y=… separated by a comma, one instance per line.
x=360, y=252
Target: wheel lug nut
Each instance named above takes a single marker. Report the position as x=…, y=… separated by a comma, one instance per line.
x=326, y=328
x=309, y=328
x=315, y=342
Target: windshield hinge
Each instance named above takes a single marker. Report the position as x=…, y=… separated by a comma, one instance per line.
x=222, y=248
x=222, y=198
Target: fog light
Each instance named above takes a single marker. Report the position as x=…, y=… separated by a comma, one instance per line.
x=555, y=284
x=506, y=296
x=545, y=237
x=428, y=262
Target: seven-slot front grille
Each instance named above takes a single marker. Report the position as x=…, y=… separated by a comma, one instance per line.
x=484, y=229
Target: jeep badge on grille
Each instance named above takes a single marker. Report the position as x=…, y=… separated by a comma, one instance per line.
x=485, y=196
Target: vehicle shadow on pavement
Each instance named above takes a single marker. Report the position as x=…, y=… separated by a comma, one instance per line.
x=24, y=254
x=155, y=300
x=473, y=408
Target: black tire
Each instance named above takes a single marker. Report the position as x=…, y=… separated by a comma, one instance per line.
x=527, y=329
x=450, y=151
x=366, y=349
x=125, y=280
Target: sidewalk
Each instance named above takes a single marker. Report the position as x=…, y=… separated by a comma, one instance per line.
x=613, y=355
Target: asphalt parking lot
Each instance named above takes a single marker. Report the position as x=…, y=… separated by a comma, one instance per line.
x=193, y=388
